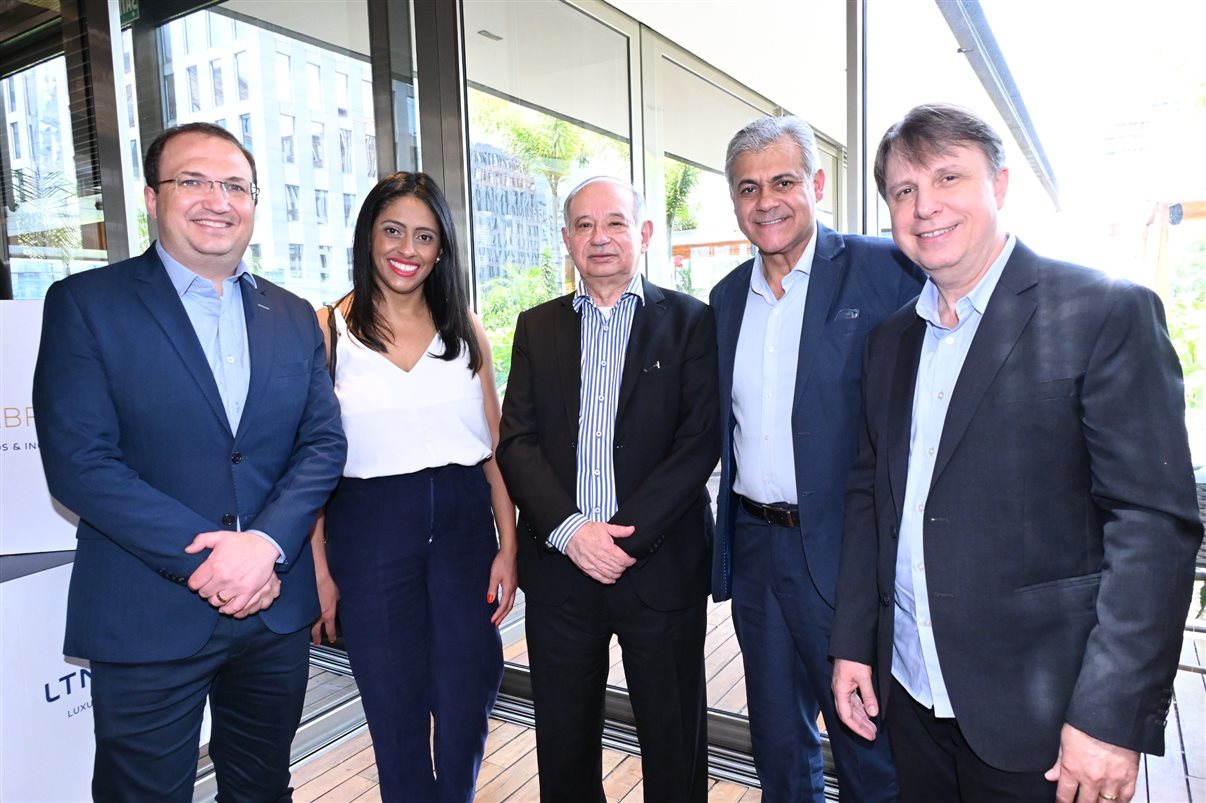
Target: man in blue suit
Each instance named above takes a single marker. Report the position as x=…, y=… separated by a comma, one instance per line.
x=790, y=327
x=185, y=414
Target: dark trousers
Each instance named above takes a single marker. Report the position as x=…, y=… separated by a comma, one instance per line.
x=148, y=717
x=783, y=626
x=663, y=663
x=936, y=762
x=411, y=555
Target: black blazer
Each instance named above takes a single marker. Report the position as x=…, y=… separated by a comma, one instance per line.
x=667, y=442
x=1061, y=524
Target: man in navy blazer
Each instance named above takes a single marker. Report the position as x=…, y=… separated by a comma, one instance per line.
x=1021, y=524
x=186, y=415
x=790, y=326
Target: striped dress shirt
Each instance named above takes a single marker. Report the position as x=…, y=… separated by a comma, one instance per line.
x=604, y=340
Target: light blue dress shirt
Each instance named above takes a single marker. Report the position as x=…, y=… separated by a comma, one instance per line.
x=764, y=383
x=604, y=340
x=914, y=654
x=221, y=328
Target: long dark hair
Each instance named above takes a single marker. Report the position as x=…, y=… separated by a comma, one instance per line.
x=444, y=290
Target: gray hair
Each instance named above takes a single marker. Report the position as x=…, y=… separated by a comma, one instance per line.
x=638, y=202
x=931, y=130
x=762, y=133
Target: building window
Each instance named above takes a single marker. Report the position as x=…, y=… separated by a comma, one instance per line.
x=12, y=94
x=341, y=93
x=135, y=158
x=130, y=114
x=345, y=150
x=370, y=153
x=295, y=260
x=320, y=205
x=324, y=262
x=351, y=262
x=287, y=138
x=316, y=143
x=215, y=74
x=314, y=84
x=284, y=82
x=292, y=197
x=257, y=258
x=15, y=138
x=241, y=75
x=349, y=210
x=169, y=97
x=194, y=89
x=245, y=128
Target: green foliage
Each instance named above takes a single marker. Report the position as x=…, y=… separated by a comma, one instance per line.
x=680, y=183
x=504, y=297
x=1187, y=322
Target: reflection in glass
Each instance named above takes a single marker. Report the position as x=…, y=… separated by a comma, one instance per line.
x=54, y=226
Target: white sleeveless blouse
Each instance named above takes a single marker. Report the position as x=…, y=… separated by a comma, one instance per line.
x=399, y=422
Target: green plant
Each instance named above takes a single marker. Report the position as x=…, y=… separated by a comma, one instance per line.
x=504, y=297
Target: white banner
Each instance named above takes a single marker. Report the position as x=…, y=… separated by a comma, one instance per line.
x=30, y=521
x=45, y=700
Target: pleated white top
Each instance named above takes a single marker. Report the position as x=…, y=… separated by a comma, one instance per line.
x=399, y=422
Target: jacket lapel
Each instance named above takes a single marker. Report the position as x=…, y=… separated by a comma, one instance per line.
x=156, y=292
x=258, y=314
x=823, y=279
x=637, y=357
x=1009, y=310
x=567, y=345
x=900, y=407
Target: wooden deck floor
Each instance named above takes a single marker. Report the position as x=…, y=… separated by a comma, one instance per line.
x=348, y=772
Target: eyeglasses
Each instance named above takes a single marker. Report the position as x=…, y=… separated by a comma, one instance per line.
x=234, y=190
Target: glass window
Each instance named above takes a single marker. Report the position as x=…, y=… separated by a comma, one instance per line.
x=370, y=155
x=345, y=150
x=320, y=206
x=317, y=147
x=284, y=77
x=533, y=135
x=131, y=119
x=255, y=257
x=245, y=130
x=135, y=158
x=280, y=46
x=54, y=227
x=295, y=260
x=194, y=89
x=324, y=262
x=349, y=210
x=292, y=202
x=341, y=93
x=287, y=123
x=241, y=75
x=215, y=74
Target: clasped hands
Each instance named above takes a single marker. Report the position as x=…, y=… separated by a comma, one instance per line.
x=593, y=550
x=239, y=575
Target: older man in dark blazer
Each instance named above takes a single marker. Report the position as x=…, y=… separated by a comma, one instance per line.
x=609, y=433
x=186, y=415
x=1021, y=524
x=790, y=326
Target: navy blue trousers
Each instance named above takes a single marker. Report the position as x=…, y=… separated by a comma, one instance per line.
x=411, y=555
x=148, y=717
x=783, y=626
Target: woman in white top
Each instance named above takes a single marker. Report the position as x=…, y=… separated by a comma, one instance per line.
x=407, y=545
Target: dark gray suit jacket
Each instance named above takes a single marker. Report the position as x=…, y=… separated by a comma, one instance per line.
x=1061, y=523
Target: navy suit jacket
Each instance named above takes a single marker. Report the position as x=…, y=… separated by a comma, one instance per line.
x=1061, y=522
x=135, y=440
x=665, y=447
x=854, y=284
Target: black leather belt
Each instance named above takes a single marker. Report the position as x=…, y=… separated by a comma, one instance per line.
x=778, y=515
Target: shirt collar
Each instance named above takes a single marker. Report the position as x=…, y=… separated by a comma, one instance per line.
x=635, y=288
x=801, y=269
x=182, y=278
x=977, y=299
